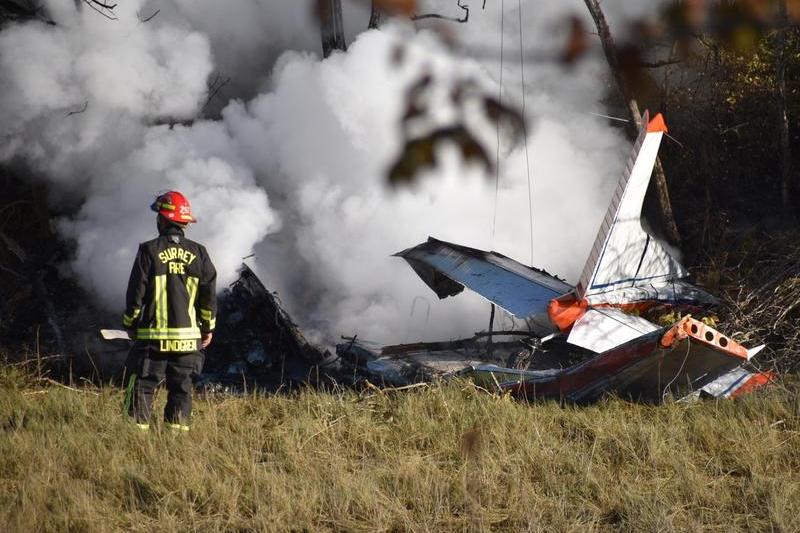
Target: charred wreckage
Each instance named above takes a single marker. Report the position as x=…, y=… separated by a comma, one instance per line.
x=605, y=335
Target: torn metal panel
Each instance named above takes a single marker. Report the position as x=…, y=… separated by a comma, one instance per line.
x=602, y=329
x=673, y=361
x=672, y=292
x=651, y=366
x=575, y=383
x=502, y=378
x=447, y=268
x=674, y=371
x=735, y=383
x=752, y=352
x=405, y=364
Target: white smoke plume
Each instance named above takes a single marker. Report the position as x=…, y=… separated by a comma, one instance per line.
x=202, y=162
x=332, y=131
x=78, y=103
x=247, y=36
x=316, y=138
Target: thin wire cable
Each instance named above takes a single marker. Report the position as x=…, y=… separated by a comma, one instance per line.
x=609, y=117
x=665, y=391
x=676, y=141
x=500, y=100
x=525, y=123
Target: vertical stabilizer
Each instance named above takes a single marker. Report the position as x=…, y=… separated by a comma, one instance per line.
x=624, y=254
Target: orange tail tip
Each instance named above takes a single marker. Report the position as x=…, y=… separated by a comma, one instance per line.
x=565, y=310
x=657, y=124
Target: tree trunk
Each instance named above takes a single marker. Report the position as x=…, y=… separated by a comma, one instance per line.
x=331, y=26
x=374, y=16
x=610, y=51
x=783, y=115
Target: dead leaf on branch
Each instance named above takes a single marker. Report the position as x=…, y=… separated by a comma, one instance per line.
x=504, y=116
x=397, y=7
x=577, y=42
x=420, y=149
x=420, y=154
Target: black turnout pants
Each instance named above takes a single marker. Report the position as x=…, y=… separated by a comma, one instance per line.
x=147, y=369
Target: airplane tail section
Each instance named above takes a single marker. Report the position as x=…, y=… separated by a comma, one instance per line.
x=624, y=255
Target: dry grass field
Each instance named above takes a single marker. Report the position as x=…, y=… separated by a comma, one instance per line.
x=450, y=458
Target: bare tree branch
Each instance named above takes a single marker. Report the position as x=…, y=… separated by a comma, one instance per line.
x=375, y=16
x=101, y=4
x=658, y=64
x=78, y=111
x=462, y=20
x=331, y=26
x=148, y=19
x=783, y=113
x=214, y=87
x=107, y=10
x=612, y=56
x=14, y=10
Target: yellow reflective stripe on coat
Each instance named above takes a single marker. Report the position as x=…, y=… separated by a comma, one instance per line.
x=191, y=289
x=160, y=298
x=156, y=334
x=127, y=320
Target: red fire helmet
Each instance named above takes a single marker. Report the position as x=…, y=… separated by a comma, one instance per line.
x=173, y=206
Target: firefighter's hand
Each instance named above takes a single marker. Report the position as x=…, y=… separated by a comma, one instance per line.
x=206, y=339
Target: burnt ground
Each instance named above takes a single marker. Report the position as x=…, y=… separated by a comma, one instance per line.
x=257, y=343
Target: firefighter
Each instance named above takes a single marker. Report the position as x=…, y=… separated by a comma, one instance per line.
x=170, y=313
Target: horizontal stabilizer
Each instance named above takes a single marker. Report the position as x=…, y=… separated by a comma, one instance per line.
x=602, y=329
x=448, y=268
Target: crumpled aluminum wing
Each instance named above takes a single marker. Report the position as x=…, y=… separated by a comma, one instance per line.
x=447, y=268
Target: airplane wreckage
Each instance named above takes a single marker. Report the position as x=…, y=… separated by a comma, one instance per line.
x=587, y=340
x=583, y=341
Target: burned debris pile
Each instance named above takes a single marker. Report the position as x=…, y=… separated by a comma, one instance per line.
x=257, y=344
x=405, y=364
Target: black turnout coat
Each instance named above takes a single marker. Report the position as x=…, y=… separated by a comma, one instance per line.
x=171, y=298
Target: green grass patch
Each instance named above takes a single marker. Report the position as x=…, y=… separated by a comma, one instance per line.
x=433, y=459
